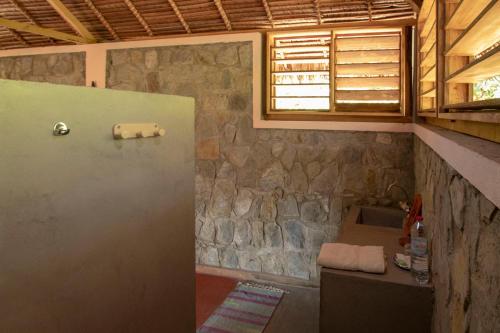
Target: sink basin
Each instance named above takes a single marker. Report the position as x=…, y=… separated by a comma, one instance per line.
x=381, y=217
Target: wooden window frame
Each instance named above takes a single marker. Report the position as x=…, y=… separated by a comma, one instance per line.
x=457, y=26
x=356, y=112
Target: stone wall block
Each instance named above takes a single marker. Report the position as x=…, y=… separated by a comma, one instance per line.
x=273, y=264
x=298, y=179
x=227, y=55
x=384, y=138
x=207, y=149
x=457, y=194
x=326, y=181
x=207, y=232
x=268, y=209
x=288, y=207
x=272, y=177
x=246, y=134
x=247, y=176
x=242, y=234
x=297, y=265
x=312, y=212
x=228, y=257
x=224, y=231
x=257, y=234
x=307, y=154
x=273, y=237
x=250, y=261
x=222, y=198
x=151, y=59
x=182, y=55
x=246, y=56
x=209, y=256
x=238, y=155
x=293, y=234
x=243, y=202
x=288, y=156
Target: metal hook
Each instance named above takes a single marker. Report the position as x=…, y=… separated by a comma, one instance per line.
x=60, y=128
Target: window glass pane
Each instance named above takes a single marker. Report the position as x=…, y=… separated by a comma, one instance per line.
x=302, y=103
x=302, y=90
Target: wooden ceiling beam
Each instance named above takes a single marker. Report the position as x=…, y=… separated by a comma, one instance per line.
x=223, y=14
x=138, y=16
x=66, y=14
x=101, y=18
x=268, y=12
x=179, y=15
x=37, y=30
x=317, y=7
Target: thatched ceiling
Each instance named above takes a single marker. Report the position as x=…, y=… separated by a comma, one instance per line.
x=112, y=20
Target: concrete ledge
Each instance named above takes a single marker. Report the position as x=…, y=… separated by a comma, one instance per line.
x=242, y=275
x=475, y=159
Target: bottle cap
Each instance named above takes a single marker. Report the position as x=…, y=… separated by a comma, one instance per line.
x=419, y=218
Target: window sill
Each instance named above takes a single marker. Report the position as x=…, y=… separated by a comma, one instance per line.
x=377, y=117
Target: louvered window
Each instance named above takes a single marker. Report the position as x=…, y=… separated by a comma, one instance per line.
x=336, y=72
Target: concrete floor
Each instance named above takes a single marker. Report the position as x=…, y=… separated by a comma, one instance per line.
x=298, y=311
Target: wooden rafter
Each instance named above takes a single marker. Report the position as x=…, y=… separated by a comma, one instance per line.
x=317, y=7
x=27, y=15
x=18, y=37
x=179, y=15
x=66, y=14
x=37, y=30
x=268, y=12
x=138, y=16
x=23, y=11
x=223, y=14
x=101, y=18
x=370, y=10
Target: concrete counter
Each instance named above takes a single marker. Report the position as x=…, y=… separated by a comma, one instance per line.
x=366, y=302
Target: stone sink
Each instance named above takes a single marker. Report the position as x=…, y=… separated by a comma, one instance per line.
x=379, y=216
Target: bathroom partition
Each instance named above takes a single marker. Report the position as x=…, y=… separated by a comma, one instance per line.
x=96, y=234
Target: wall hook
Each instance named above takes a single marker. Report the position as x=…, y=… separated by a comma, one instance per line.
x=60, y=128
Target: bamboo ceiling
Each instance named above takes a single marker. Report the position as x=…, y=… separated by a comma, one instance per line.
x=113, y=20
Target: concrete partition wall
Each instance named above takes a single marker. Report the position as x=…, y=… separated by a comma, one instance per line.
x=96, y=235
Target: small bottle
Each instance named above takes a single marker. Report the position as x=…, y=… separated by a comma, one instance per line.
x=419, y=252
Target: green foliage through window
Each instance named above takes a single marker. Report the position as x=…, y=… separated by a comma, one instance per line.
x=487, y=89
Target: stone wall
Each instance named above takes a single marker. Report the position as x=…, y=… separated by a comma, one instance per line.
x=61, y=68
x=265, y=199
x=464, y=228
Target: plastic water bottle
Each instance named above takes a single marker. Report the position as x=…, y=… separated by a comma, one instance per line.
x=419, y=252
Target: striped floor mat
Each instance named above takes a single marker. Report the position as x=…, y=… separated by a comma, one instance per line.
x=247, y=309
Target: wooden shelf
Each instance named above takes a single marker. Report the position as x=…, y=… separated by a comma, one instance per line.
x=429, y=93
x=427, y=113
x=486, y=117
x=430, y=58
x=488, y=104
x=483, y=68
x=465, y=13
x=429, y=21
x=430, y=41
x=482, y=33
x=430, y=76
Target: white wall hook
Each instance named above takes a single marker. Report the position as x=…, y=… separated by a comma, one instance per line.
x=137, y=130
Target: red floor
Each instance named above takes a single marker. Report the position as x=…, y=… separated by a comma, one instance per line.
x=211, y=291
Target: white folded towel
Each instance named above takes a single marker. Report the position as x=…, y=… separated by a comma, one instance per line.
x=352, y=257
